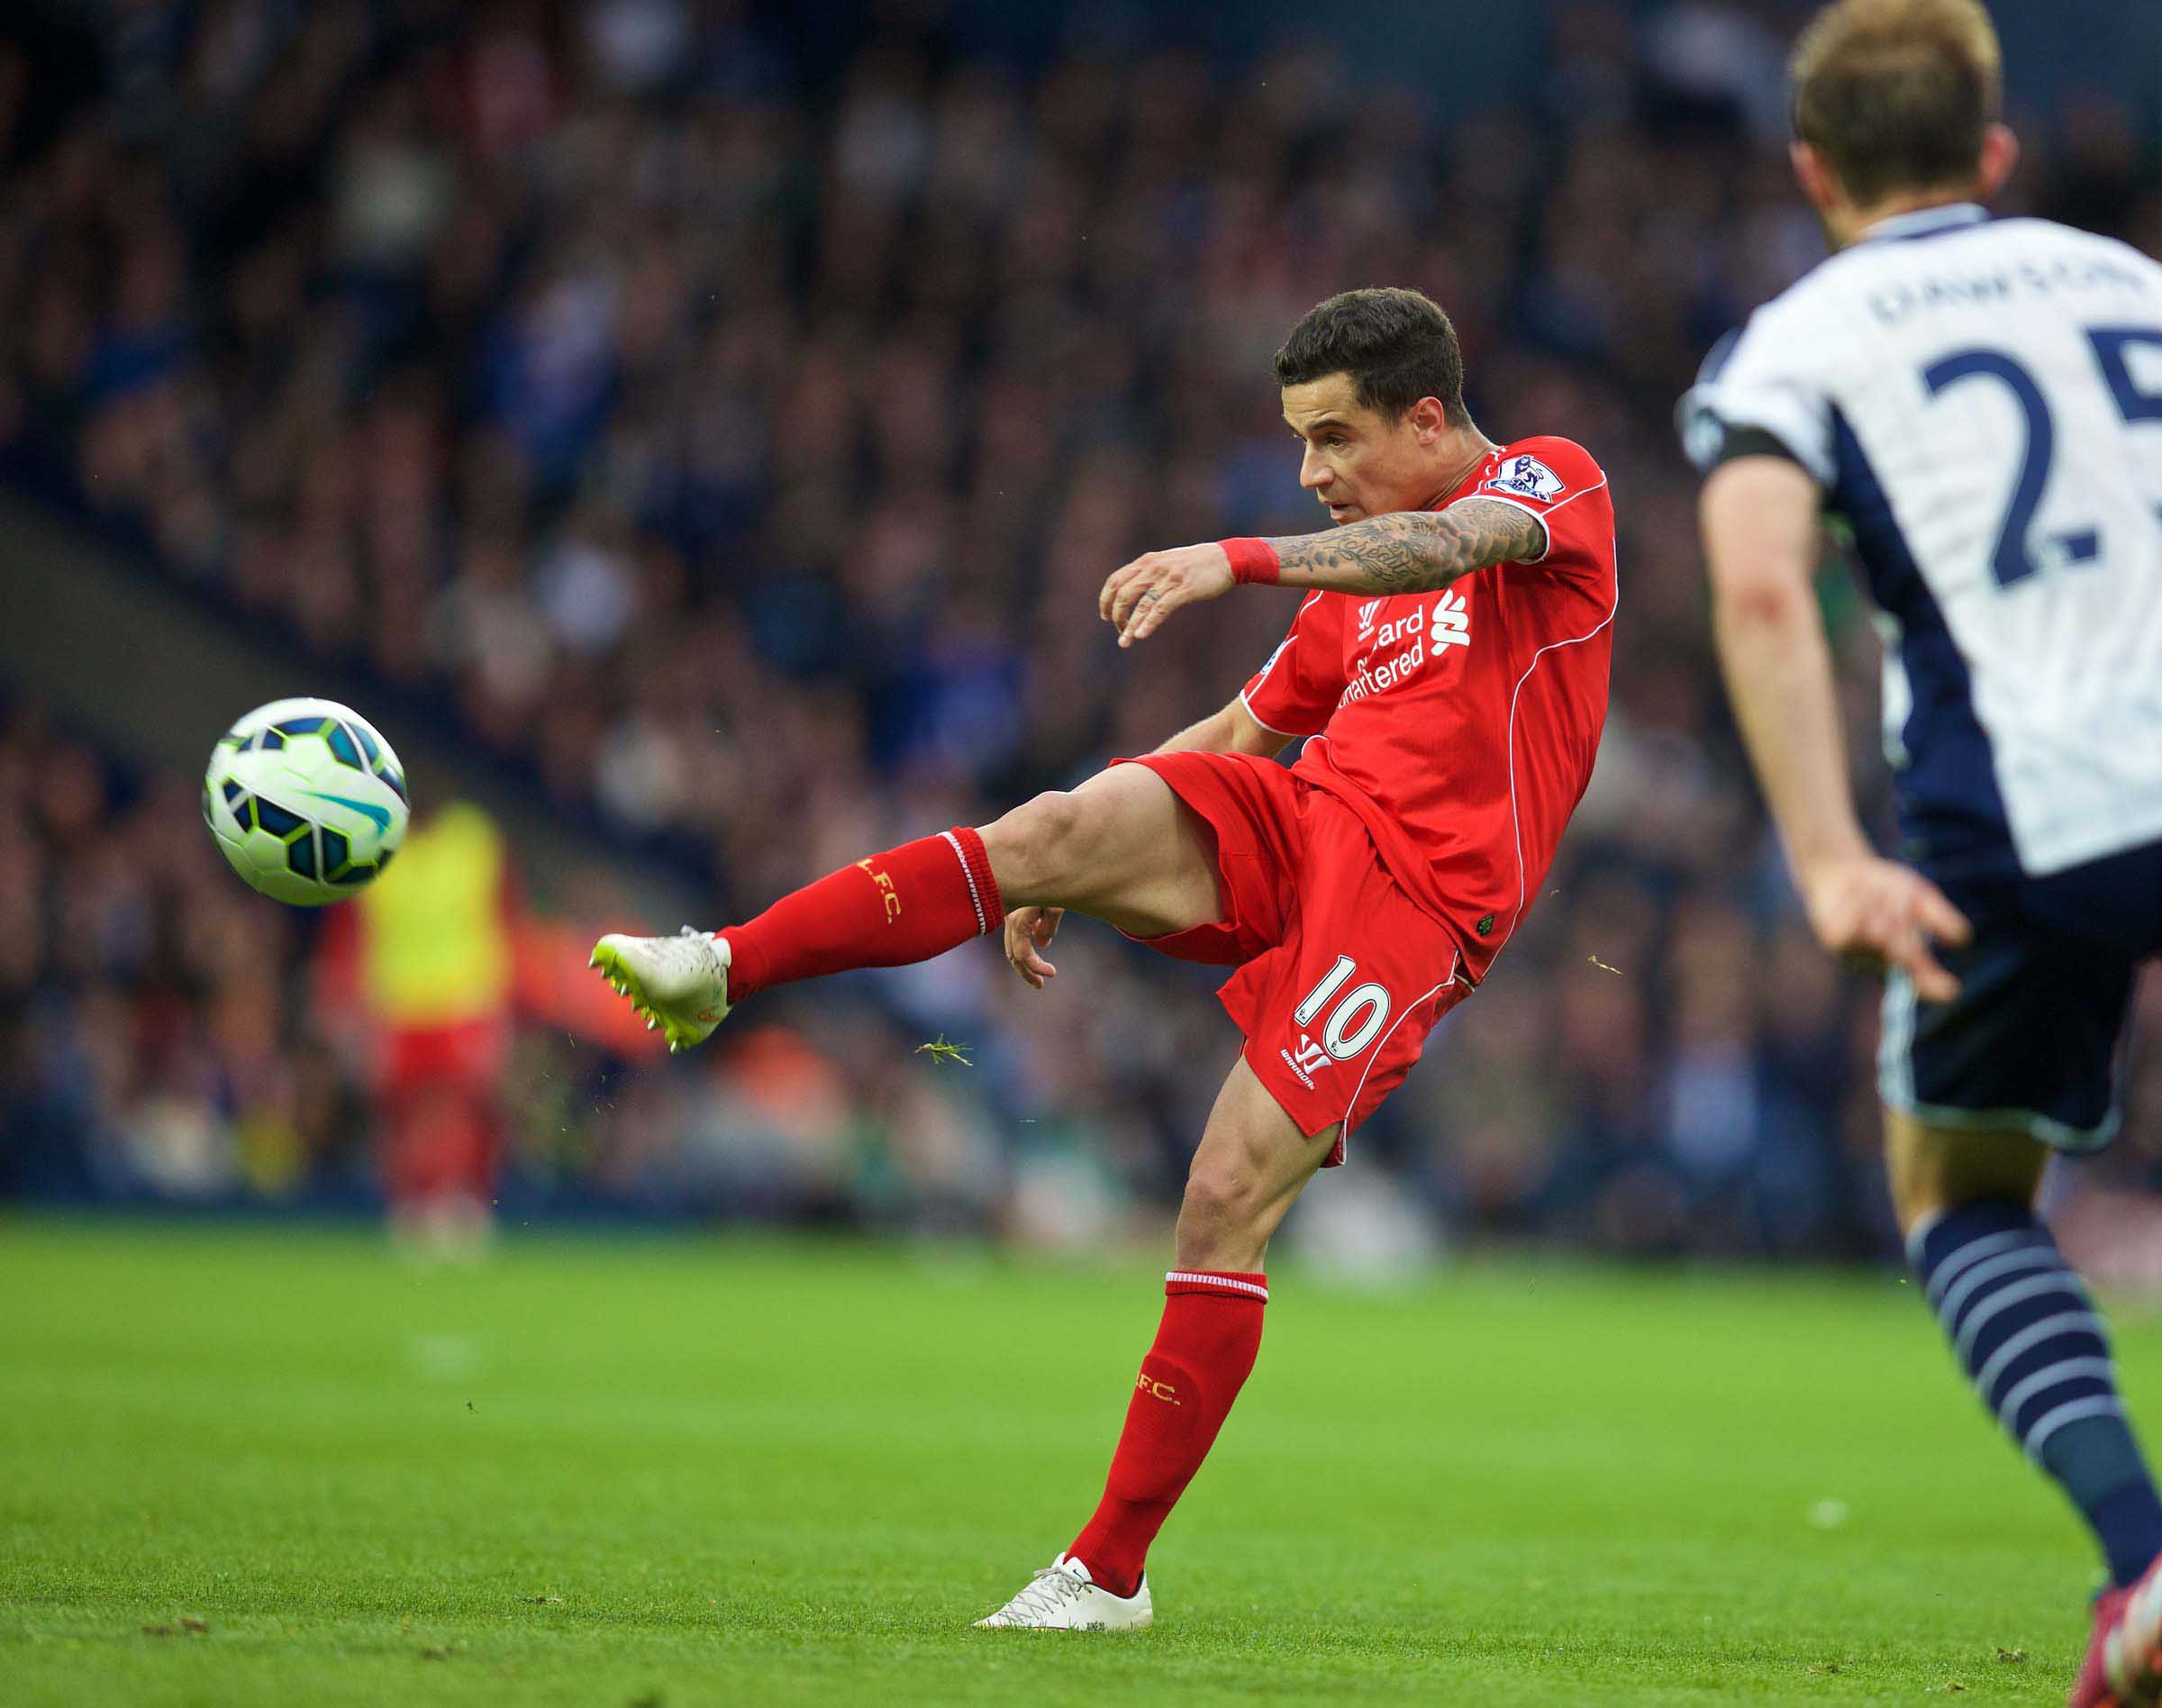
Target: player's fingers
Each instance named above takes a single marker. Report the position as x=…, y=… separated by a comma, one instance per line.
x=1137, y=592
x=1134, y=581
x=1932, y=982
x=1939, y=918
x=1045, y=926
x=1870, y=937
x=1117, y=579
x=1019, y=956
x=1152, y=613
x=1028, y=964
x=1148, y=612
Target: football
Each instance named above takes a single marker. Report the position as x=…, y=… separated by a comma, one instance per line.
x=306, y=800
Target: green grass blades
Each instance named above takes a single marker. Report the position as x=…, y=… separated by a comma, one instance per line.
x=240, y=1466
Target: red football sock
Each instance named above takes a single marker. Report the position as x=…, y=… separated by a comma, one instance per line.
x=1204, y=1349
x=906, y=904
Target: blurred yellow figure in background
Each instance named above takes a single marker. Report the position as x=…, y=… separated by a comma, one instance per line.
x=427, y=954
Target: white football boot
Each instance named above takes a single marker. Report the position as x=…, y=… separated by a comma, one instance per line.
x=679, y=984
x=1062, y=1597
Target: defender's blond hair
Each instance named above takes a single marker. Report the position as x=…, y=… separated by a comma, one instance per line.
x=1896, y=94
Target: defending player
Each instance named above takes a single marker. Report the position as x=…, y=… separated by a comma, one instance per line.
x=1984, y=401
x=1450, y=664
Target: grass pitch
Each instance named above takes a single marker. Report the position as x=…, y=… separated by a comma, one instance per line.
x=240, y=1466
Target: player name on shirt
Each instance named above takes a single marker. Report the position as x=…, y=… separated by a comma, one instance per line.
x=1892, y=301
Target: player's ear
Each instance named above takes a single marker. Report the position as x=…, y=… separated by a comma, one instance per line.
x=2000, y=159
x=1820, y=184
x=1429, y=418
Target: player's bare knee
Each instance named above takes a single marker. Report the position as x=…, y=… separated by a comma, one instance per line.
x=1217, y=1196
x=1219, y=1211
x=1934, y=1169
x=1036, y=848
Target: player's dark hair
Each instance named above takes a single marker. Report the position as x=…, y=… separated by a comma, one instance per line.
x=1897, y=94
x=1396, y=345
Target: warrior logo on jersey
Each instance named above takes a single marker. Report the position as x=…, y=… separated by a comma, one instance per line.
x=1527, y=477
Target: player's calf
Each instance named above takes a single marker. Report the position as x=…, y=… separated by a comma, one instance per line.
x=1251, y=1163
x=905, y=904
x=2036, y=1349
x=1204, y=1349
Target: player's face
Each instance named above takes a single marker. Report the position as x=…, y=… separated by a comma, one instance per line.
x=1357, y=461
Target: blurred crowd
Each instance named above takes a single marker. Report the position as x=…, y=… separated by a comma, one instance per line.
x=732, y=439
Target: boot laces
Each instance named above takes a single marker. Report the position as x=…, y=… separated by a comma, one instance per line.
x=1050, y=1589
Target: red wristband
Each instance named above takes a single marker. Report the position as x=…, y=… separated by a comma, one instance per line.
x=1252, y=560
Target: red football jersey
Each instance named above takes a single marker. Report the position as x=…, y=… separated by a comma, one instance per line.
x=1461, y=725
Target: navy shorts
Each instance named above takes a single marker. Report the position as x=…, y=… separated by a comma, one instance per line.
x=2035, y=1039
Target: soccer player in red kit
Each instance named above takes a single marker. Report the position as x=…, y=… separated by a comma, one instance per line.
x=1449, y=668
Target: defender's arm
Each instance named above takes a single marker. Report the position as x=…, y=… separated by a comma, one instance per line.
x=1759, y=519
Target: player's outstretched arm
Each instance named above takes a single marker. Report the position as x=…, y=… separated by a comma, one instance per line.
x=1410, y=550
x=1759, y=517
x=1405, y=551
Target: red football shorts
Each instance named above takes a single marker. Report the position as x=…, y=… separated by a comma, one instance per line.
x=440, y=1103
x=1340, y=973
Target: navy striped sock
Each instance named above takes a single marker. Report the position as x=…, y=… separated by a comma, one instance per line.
x=2040, y=1356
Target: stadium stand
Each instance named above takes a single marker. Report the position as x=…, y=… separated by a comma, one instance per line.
x=732, y=450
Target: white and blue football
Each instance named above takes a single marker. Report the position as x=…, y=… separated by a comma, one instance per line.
x=306, y=801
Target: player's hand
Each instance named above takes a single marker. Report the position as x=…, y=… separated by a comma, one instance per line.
x=1878, y=913
x=1137, y=598
x=1029, y=931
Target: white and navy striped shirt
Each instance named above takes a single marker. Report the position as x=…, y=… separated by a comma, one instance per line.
x=1983, y=400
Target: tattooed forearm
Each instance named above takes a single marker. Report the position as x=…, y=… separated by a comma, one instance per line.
x=1410, y=550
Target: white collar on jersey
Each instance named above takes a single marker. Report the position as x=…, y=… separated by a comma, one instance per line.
x=1925, y=221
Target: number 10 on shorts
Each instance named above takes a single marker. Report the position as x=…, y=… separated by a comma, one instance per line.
x=1353, y=1023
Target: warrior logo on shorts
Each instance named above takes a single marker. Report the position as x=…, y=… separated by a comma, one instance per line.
x=1527, y=477
x=1310, y=1059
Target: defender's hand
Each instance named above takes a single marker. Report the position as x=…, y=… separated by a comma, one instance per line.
x=1139, y=596
x=1879, y=914
x=1028, y=930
